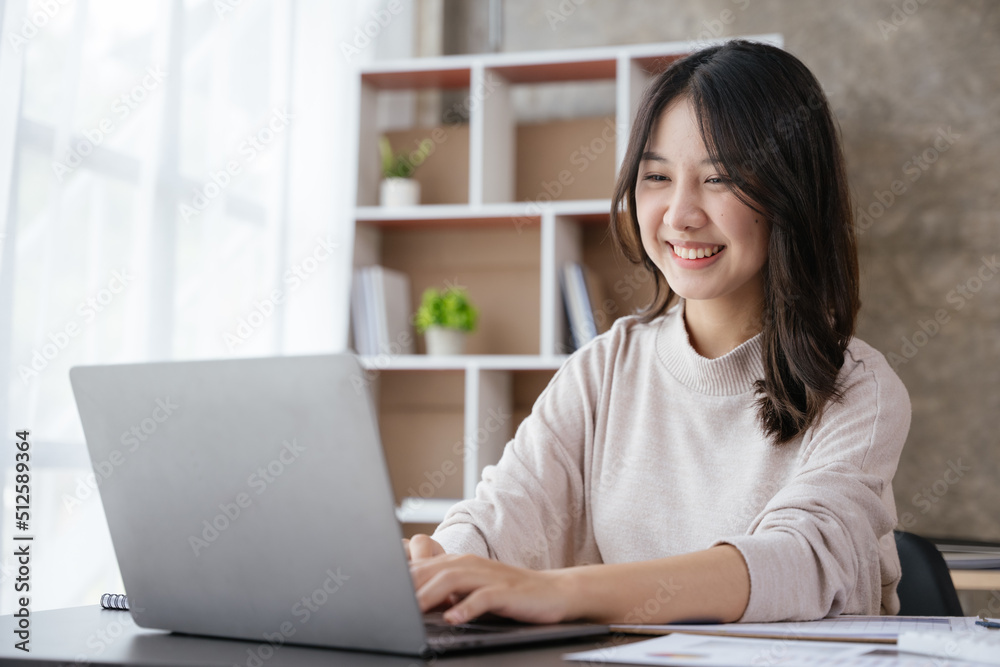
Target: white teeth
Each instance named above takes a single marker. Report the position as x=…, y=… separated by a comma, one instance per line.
x=692, y=253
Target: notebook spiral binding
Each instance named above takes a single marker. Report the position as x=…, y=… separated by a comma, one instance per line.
x=114, y=601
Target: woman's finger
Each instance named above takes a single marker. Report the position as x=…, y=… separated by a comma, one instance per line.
x=406, y=548
x=455, y=579
x=474, y=605
x=424, y=546
x=422, y=570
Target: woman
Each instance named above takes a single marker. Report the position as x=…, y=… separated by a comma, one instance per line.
x=728, y=453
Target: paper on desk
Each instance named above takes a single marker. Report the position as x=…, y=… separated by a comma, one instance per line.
x=684, y=649
x=879, y=629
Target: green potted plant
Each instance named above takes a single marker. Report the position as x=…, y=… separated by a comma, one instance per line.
x=398, y=187
x=445, y=317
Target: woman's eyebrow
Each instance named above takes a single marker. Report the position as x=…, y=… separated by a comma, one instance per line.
x=657, y=157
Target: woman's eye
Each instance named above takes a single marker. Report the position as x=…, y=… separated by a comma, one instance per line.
x=717, y=179
x=655, y=177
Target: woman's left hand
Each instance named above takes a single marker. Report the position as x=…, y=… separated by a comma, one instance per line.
x=477, y=585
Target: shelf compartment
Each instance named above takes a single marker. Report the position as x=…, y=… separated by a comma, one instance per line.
x=444, y=175
x=621, y=287
x=565, y=159
x=422, y=423
x=497, y=264
x=521, y=152
x=395, y=111
x=627, y=287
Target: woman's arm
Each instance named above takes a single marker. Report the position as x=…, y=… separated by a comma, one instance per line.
x=713, y=584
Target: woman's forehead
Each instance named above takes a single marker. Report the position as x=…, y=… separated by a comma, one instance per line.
x=675, y=134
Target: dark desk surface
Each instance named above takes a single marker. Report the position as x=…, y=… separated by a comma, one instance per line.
x=91, y=635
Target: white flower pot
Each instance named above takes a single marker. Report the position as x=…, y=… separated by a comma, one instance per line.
x=399, y=192
x=442, y=341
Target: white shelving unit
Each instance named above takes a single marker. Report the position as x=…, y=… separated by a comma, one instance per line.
x=503, y=244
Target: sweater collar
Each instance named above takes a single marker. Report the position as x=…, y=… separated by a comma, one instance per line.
x=731, y=374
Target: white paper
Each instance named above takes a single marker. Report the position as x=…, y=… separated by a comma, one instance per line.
x=860, y=628
x=980, y=645
x=687, y=650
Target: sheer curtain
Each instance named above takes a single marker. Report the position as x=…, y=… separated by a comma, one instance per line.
x=168, y=170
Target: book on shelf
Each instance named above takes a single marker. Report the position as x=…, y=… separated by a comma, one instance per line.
x=380, y=310
x=583, y=296
x=969, y=554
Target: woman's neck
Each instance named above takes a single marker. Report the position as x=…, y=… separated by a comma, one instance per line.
x=718, y=326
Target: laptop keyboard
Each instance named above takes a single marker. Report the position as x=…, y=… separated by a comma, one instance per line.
x=436, y=626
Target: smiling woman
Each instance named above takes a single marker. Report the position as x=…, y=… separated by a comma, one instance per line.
x=728, y=452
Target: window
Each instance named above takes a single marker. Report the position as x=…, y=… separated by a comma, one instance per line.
x=163, y=167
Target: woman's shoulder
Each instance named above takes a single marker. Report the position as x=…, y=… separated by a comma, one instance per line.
x=867, y=375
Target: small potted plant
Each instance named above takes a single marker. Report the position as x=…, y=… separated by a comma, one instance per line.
x=445, y=317
x=398, y=187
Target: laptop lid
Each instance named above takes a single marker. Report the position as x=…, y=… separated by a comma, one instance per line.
x=250, y=499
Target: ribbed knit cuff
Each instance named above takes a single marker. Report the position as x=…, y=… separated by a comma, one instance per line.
x=771, y=588
x=462, y=538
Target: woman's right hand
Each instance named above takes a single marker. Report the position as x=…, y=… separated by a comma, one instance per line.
x=421, y=546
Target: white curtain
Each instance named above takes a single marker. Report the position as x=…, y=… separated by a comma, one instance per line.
x=176, y=178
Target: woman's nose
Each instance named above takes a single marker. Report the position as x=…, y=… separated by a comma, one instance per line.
x=684, y=210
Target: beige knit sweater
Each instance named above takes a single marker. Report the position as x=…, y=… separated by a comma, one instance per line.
x=640, y=448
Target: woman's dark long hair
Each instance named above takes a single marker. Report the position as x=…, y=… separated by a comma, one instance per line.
x=767, y=125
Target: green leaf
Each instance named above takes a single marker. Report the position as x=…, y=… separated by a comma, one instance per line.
x=447, y=308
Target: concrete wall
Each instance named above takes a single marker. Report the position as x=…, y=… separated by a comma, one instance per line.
x=904, y=87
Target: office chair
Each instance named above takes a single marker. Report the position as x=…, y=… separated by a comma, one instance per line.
x=925, y=588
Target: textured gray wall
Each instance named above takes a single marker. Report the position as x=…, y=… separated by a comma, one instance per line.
x=899, y=75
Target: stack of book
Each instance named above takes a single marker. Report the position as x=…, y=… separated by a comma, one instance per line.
x=380, y=311
x=583, y=297
x=969, y=554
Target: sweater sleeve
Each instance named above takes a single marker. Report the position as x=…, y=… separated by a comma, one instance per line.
x=529, y=508
x=823, y=545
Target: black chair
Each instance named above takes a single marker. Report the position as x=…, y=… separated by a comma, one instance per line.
x=925, y=588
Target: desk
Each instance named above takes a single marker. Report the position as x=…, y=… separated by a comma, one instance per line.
x=976, y=580
x=87, y=635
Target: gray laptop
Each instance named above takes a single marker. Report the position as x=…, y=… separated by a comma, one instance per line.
x=250, y=499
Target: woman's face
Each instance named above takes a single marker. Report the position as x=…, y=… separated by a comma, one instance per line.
x=707, y=243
